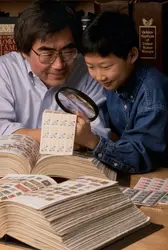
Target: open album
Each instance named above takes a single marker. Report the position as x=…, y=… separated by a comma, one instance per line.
x=80, y=214
x=19, y=154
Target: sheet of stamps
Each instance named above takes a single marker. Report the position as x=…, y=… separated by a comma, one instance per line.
x=14, y=185
x=148, y=192
x=21, y=145
x=58, y=133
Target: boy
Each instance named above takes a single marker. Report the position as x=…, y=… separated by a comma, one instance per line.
x=137, y=97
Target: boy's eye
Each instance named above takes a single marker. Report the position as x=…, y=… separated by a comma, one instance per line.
x=90, y=67
x=107, y=67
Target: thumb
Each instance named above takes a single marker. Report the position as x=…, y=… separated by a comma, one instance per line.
x=83, y=116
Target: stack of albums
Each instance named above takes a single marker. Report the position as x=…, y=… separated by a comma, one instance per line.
x=81, y=214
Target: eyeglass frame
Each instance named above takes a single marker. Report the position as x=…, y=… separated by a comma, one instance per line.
x=56, y=55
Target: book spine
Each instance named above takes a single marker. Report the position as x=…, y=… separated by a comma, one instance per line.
x=118, y=6
x=150, y=22
x=7, y=43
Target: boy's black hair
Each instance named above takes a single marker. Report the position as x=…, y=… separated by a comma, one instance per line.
x=44, y=18
x=110, y=32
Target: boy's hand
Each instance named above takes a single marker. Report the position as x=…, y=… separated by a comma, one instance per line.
x=84, y=135
x=79, y=148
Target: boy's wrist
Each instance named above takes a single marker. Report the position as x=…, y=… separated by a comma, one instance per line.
x=92, y=143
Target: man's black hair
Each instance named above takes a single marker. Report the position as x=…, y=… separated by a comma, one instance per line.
x=42, y=19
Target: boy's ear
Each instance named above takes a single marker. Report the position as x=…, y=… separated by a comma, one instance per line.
x=133, y=55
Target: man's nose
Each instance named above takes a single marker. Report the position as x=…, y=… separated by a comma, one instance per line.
x=58, y=63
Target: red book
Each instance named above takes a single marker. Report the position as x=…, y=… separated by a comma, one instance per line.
x=7, y=43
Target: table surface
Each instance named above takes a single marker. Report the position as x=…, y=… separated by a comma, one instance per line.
x=159, y=215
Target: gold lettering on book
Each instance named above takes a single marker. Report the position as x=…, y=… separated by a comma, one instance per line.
x=6, y=28
x=7, y=43
x=147, y=39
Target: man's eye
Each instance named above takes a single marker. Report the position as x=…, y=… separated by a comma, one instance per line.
x=47, y=55
x=68, y=52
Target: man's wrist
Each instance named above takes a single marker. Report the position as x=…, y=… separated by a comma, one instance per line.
x=35, y=133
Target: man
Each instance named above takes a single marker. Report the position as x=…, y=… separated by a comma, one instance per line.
x=137, y=97
x=47, y=36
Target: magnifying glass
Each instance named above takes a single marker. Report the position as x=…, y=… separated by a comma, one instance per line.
x=72, y=100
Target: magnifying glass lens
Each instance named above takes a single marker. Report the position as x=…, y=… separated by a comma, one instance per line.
x=72, y=100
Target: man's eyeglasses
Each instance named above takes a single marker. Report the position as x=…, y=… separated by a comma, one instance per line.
x=50, y=57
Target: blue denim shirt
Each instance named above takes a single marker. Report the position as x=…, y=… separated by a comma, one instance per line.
x=139, y=115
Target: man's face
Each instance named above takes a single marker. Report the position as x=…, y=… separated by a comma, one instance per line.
x=110, y=71
x=55, y=73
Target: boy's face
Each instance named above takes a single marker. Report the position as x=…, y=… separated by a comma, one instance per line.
x=55, y=73
x=110, y=71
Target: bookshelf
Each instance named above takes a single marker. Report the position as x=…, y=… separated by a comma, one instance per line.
x=15, y=6
x=12, y=8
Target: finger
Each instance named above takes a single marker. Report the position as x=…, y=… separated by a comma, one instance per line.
x=79, y=147
x=80, y=120
x=76, y=146
x=83, y=116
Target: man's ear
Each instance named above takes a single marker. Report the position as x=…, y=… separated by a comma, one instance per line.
x=133, y=55
x=25, y=55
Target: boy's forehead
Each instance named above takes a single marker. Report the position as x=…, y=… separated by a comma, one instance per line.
x=98, y=59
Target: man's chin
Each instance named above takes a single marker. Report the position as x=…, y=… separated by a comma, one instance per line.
x=56, y=81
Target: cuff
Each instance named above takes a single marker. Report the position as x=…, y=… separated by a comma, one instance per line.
x=9, y=128
x=106, y=153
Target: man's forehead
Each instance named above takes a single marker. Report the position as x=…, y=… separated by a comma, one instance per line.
x=57, y=40
x=47, y=47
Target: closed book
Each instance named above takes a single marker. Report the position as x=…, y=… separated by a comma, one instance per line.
x=151, y=20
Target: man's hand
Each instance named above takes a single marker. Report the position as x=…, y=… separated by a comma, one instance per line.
x=35, y=133
x=84, y=135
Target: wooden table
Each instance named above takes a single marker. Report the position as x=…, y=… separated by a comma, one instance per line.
x=159, y=215
x=155, y=241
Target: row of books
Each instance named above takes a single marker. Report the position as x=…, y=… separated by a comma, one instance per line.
x=150, y=19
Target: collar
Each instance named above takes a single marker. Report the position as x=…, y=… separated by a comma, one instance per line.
x=28, y=67
x=133, y=84
x=34, y=79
